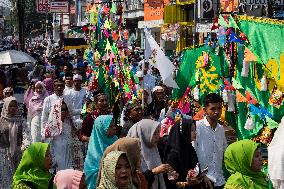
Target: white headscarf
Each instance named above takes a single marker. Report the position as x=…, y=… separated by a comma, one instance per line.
x=13, y=122
x=276, y=157
x=144, y=130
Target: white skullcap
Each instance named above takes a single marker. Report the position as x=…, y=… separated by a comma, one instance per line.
x=157, y=88
x=139, y=74
x=77, y=77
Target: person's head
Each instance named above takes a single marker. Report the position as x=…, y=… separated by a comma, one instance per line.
x=39, y=88
x=146, y=68
x=146, y=96
x=213, y=106
x=77, y=80
x=34, y=166
x=105, y=125
x=68, y=79
x=70, y=179
x=101, y=102
x=32, y=84
x=76, y=71
x=8, y=91
x=134, y=111
x=116, y=171
x=132, y=148
x=244, y=157
x=64, y=110
x=147, y=130
x=10, y=107
x=59, y=86
x=159, y=93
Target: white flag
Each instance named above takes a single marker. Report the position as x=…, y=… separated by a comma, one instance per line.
x=163, y=64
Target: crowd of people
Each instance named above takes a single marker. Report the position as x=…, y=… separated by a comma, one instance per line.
x=70, y=139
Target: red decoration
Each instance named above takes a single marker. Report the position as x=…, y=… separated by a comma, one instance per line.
x=250, y=98
x=215, y=24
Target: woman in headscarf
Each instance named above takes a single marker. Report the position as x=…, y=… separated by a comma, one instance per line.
x=180, y=153
x=131, y=114
x=243, y=160
x=70, y=179
x=33, y=170
x=116, y=172
x=276, y=158
x=30, y=92
x=11, y=137
x=131, y=146
x=148, y=132
x=35, y=111
x=48, y=82
x=103, y=135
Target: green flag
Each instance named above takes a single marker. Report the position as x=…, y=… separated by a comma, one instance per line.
x=266, y=38
x=232, y=22
x=209, y=77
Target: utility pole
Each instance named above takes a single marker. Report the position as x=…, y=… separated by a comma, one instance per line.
x=20, y=7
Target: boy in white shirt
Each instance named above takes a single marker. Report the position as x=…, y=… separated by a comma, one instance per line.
x=211, y=142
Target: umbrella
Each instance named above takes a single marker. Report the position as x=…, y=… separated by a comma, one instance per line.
x=15, y=57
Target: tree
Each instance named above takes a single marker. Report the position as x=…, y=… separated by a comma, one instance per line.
x=34, y=22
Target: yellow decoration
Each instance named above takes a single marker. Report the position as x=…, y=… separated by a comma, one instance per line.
x=207, y=79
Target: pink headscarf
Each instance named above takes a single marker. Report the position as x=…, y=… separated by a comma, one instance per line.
x=49, y=85
x=68, y=179
x=29, y=93
x=36, y=102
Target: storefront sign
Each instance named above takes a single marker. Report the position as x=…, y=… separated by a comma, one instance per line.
x=256, y=2
x=42, y=6
x=150, y=24
x=59, y=6
x=154, y=9
x=205, y=28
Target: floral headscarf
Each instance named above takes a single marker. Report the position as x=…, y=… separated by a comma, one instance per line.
x=108, y=171
x=36, y=102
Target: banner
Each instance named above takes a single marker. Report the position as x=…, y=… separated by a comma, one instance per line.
x=266, y=38
x=162, y=63
x=210, y=77
x=266, y=41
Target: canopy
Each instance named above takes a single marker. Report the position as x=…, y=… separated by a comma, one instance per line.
x=15, y=57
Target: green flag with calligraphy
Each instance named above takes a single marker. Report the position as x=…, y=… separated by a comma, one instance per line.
x=191, y=73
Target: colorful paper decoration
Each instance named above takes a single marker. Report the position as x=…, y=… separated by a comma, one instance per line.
x=236, y=84
x=222, y=22
x=240, y=97
x=276, y=99
x=215, y=24
x=228, y=85
x=250, y=98
x=232, y=22
x=199, y=116
x=249, y=56
x=234, y=38
x=271, y=123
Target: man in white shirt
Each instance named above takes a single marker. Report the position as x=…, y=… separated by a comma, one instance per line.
x=148, y=79
x=77, y=96
x=68, y=79
x=211, y=142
